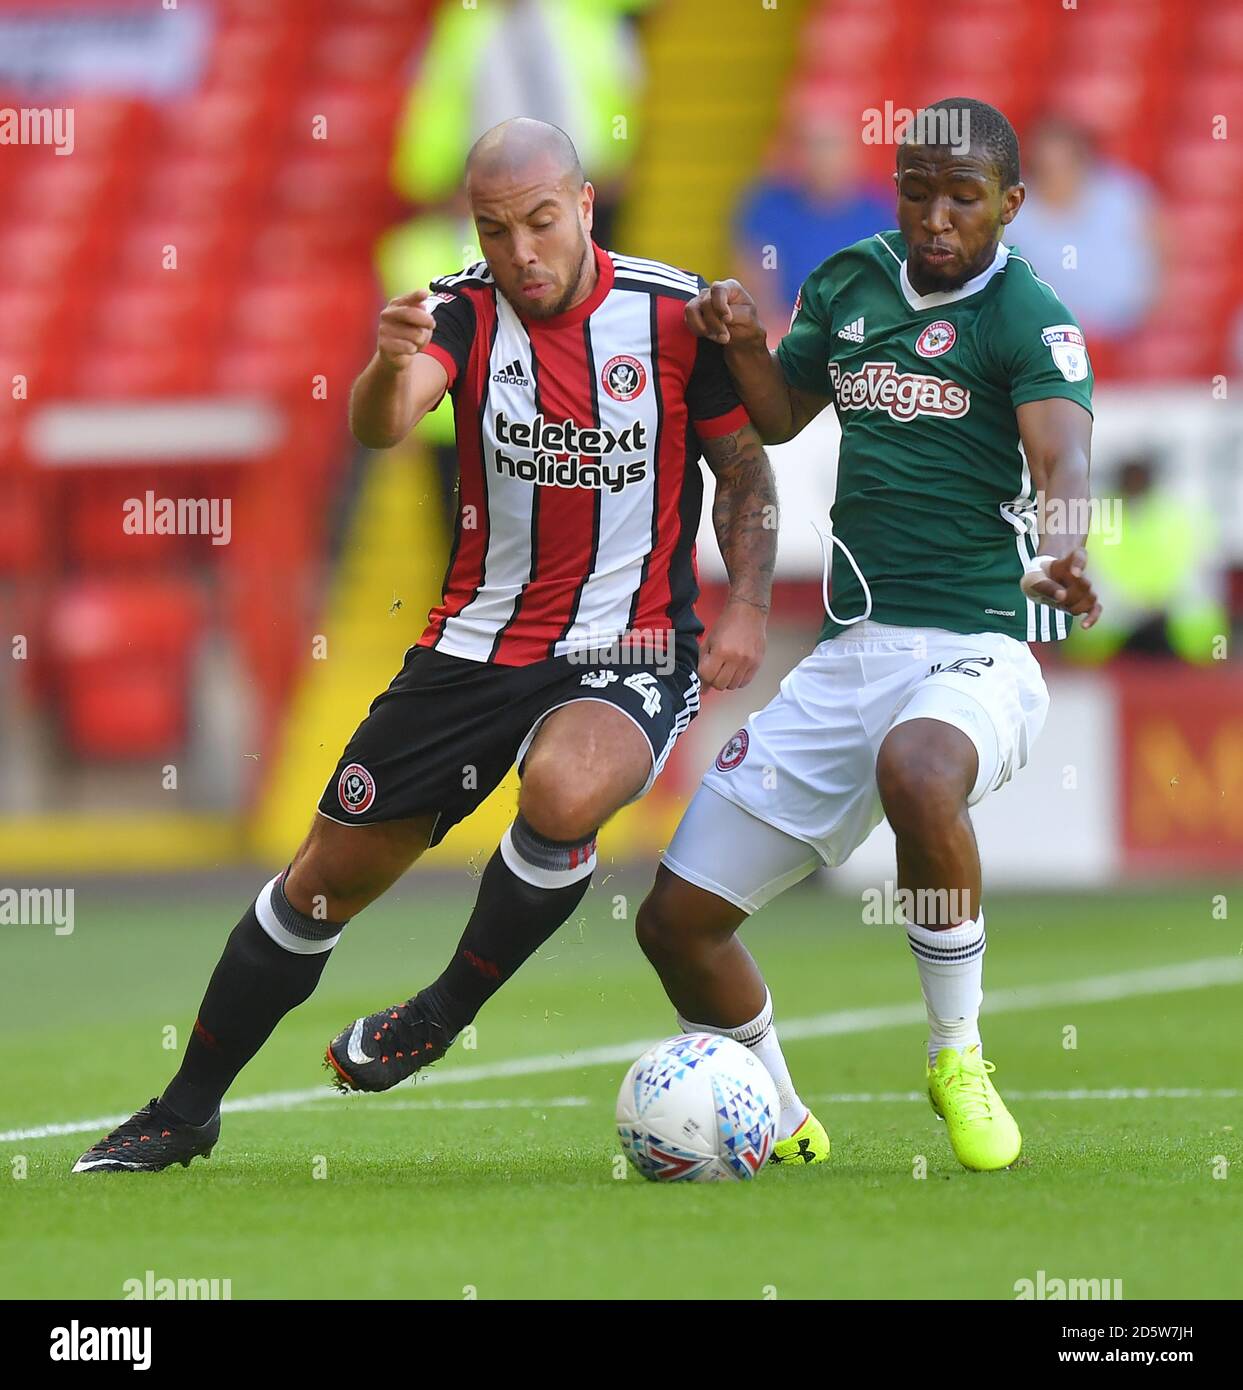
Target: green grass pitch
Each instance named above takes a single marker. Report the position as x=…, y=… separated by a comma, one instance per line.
x=498, y=1176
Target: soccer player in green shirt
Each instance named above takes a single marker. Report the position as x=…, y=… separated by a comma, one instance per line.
x=964, y=393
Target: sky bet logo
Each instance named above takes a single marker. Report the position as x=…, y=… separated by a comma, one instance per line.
x=565, y=455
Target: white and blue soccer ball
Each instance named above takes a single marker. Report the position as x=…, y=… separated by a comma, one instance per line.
x=698, y=1108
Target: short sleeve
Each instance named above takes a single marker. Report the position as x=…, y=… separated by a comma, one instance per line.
x=1042, y=353
x=454, y=332
x=803, y=354
x=712, y=399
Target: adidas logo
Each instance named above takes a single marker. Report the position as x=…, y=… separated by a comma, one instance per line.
x=512, y=375
x=853, y=332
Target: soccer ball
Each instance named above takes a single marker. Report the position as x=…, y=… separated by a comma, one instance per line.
x=698, y=1108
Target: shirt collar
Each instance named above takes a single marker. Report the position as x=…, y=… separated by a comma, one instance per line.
x=604, y=283
x=940, y=297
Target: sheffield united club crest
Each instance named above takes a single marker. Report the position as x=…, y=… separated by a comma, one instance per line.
x=355, y=789
x=624, y=377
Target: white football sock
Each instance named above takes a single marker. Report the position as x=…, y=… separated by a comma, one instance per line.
x=951, y=972
x=761, y=1037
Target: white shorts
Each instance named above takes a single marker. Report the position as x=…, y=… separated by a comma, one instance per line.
x=805, y=765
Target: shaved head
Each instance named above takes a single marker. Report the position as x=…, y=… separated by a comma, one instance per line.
x=515, y=146
x=533, y=212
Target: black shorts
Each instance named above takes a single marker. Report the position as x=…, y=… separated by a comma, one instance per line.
x=447, y=730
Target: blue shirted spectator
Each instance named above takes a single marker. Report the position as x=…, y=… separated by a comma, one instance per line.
x=1089, y=228
x=788, y=223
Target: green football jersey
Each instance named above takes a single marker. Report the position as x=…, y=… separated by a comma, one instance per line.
x=934, y=499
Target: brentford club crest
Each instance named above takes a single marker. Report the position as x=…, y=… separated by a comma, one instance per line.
x=355, y=789
x=936, y=338
x=623, y=377
x=733, y=753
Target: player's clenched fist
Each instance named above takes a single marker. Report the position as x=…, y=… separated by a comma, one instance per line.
x=734, y=650
x=406, y=328
x=726, y=313
x=1063, y=584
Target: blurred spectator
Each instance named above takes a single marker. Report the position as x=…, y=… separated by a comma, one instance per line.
x=1089, y=228
x=789, y=222
x=1157, y=572
x=574, y=63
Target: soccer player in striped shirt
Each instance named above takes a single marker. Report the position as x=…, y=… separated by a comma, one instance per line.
x=566, y=639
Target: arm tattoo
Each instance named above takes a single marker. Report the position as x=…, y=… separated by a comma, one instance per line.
x=744, y=513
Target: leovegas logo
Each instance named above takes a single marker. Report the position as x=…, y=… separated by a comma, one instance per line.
x=902, y=395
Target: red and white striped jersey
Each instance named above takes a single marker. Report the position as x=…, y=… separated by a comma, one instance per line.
x=578, y=441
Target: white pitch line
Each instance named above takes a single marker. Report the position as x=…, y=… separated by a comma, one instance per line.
x=842, y=1098
x=1170, y=979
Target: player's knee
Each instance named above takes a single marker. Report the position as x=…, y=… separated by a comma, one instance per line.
x=677, y=923
x=320, y=882
x=558, y=805
x=655, y=927
x=922, y=784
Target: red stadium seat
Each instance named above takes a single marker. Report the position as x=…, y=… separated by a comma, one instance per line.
x=107, y=127
x=60, y=189
x=43, y=252
x=27, y=313
x=844, y=39
x=96, y=620
x=363, y=50
x=220, y=120
x=19, y=505
x=160, y=249
x=282, y=368
x=1203, y=166
x=320, y=309
x=323, y=181
x=261, y=52
x=1167, y=352
x=1212, y=96
x=172, y=311
x=1217, y=35
x=201, y=185
x=121, y=652
x=303, y=245
x=133, y=710
x=180, y=369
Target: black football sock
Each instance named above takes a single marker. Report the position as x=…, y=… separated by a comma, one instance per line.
x=269, y=966
x=530, y=887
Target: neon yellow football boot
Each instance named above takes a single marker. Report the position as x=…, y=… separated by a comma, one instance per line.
x=981, y=1129
x=808, y=1144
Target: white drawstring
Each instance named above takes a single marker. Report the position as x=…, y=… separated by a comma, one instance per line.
x=827, y=552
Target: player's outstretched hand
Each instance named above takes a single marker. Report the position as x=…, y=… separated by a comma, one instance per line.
x=725, y=313
x=406, y=328
x=733, y=650
x=1063, y=584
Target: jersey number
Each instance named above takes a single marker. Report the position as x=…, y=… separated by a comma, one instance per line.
x=645, y=683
